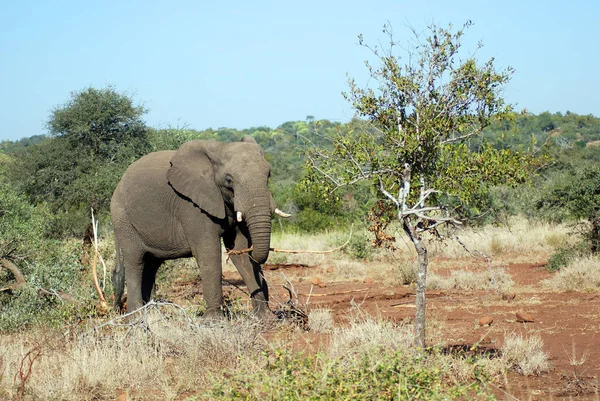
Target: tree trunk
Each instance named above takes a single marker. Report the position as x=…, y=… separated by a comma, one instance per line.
x=420, y=303
x=595, y=234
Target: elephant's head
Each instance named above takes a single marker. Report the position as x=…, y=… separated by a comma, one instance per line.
x=222, y=178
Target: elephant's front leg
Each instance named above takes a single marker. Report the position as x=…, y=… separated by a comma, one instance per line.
x=252, y=275
x=208, y=257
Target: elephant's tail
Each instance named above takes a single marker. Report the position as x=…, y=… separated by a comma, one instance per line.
x=118, y=279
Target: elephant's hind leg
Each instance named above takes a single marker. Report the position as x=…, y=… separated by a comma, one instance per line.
x=151, y=265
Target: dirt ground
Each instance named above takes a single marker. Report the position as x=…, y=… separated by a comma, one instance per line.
x=568, y=323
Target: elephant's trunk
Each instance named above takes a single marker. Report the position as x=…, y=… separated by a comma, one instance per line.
x=258, y=219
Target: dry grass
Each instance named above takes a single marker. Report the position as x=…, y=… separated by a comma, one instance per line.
x=519, y=242
x=174, y=353
x=367, y=336
x=520, y=237
x=581, y=274
x=525, y=354
x=178, y=354
x=321, y=320
x=496, y=279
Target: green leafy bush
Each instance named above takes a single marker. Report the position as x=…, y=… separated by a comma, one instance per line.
x=564, y=254
x=360, y=247
x=395, y=376
x=56, y=290
x=21, y=225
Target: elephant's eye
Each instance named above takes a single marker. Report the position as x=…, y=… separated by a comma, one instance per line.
x=228, y=181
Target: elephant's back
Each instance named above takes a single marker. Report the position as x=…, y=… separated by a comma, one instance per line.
x=143, y=177
x=143, y=195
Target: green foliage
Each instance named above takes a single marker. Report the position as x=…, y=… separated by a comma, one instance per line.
x=567, y=253
x=95, y=136
x=51, y=271
x=422, y=145
x=360, y=247
x=575, y=195
x=394, y=376
x=100, y=122
x=21, y=225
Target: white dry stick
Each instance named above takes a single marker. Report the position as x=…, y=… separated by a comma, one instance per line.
x=103, y=304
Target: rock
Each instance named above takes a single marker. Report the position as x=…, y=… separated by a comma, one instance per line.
x=322, y=284
x=329, y=269
x=486, y=321
x=368, y=280
x=523, y=317
x=509, y=297
x=315, y=280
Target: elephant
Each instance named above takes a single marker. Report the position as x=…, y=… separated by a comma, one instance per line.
x=177, y=204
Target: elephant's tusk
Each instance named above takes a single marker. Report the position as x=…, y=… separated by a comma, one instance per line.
x=282, y=214
x=239, y=217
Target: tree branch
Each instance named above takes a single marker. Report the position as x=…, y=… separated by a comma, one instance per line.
x=19, y=278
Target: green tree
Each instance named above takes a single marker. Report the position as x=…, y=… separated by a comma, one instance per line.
x=415, y=149
x=101, y=122
x=576, y=195
x=93, y=138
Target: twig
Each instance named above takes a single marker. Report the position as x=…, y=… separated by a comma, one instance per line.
x=53, y=293
x=487, y=259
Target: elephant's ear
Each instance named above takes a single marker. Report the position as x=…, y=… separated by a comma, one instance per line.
x=192, y=175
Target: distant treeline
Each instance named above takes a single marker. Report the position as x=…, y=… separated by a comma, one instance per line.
x=80, y=162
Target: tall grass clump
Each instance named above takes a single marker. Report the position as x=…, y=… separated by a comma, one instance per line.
x=580, y=274
x=175, y=354
x=369, y=336
x=525, y=355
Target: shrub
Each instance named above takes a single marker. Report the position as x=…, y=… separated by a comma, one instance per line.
x=406, y=272
x=565, y=254
x=394, y=375
x=360, y=247
x=21, y=225
x=54, y=272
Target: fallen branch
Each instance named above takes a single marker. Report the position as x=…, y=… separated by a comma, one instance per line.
x=331, y=294
x=290, y=309
x=247, y=250
x=19, y=278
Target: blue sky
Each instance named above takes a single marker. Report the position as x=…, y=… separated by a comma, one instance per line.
x=240, y=64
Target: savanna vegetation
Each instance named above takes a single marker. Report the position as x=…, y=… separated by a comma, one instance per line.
x=426, y=153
